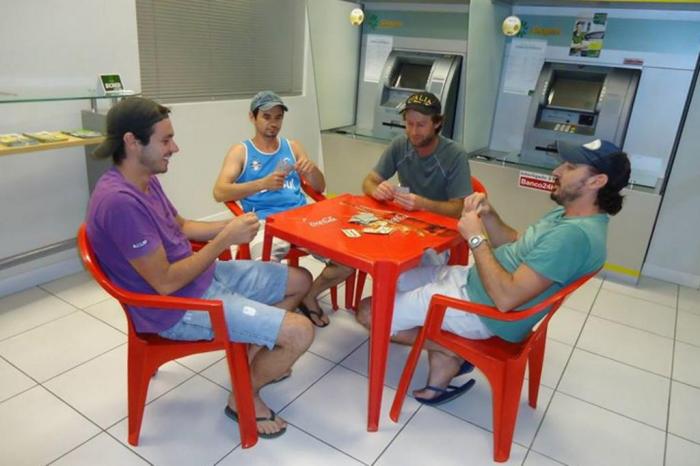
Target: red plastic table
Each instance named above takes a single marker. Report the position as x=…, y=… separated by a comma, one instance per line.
x=317, y=227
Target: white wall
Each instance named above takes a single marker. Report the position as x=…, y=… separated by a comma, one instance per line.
x=335, y=45
x=674, y=254
x=59, y=46
x=205, y=131
x=54, y=48
x=484, y=62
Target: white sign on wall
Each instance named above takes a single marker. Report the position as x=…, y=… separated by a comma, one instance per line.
x=536, y=181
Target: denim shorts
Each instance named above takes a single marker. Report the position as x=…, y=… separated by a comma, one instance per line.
x=247, y=289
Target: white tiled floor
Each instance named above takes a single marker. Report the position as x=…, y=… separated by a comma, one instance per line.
x=621, y=386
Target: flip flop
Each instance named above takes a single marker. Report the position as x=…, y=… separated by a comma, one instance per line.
x=445, y=394
x=234, y=415
x=465, y=368
x=308, y=313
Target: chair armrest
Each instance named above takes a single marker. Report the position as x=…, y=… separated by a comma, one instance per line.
x=225, y=255
x=438, y=303
x=164, y=302
x=235, y=209
x=309, y=190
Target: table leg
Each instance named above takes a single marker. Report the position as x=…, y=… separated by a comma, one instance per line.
x=267, y=247
x=384, y=279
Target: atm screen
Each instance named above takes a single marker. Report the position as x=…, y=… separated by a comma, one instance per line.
x=575, y=94
x=411, y=76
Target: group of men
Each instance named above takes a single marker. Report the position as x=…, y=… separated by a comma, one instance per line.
x=144, y=244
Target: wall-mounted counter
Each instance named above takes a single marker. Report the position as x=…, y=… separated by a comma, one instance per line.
x=349, y=157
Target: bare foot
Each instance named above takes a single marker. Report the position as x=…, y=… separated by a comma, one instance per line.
x=443, y=369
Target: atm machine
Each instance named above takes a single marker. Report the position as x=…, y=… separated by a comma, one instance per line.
x=577, y=103
x=405, y=73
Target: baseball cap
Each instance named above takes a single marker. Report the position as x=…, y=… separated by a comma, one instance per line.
x=265, y=100
x=134, y=114
x=602, y=155
x=423, y=102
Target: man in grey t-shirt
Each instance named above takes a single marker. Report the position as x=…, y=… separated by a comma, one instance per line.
x=433, y=168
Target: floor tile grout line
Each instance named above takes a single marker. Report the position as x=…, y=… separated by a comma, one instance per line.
x=612, y=411
x=58, y=296
x=624, y=324
x=393, y=439
x=75, y=448
x=685, y=383
x=670, y=382
x=107, y=323
x=637, y=297
x=128, y=446
x=561, y=376
x=695, y=442
x=9, y=337
x=548, y=457
x=75, y=309
x=82, y=363
x=443, y=409
x=285, y=406
x=610, y=358
x=309, y=433
x=36, y=382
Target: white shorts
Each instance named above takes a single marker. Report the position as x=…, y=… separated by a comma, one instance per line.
x=280, y=248
x=416, y=287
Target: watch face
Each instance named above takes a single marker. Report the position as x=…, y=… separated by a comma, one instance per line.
x=475, y=241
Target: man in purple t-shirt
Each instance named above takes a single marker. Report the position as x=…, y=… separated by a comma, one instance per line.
x=143, y=245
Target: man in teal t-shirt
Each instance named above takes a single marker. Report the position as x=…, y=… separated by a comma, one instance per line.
x=513, y=271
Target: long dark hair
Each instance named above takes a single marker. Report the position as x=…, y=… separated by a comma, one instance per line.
x=609, y=199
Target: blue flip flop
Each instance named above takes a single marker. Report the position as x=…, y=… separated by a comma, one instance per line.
x=445, y=394
x=234, y=415
x=465, y=368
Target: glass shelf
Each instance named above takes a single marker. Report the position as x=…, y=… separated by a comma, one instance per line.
x=8, y=96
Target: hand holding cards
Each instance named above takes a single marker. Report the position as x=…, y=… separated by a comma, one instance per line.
x=401, y=190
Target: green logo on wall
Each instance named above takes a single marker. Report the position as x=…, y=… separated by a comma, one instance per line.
x=372, y=21
x=523, y=30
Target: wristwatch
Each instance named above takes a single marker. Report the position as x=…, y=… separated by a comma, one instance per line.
x=475, y=241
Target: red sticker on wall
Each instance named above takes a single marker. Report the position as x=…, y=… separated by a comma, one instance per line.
x=536, y=181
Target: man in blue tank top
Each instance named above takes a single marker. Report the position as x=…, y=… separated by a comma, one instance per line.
x=263, y=173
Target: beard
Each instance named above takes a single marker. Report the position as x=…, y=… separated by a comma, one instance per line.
x=154, y=166
x=564, y=196
x=424, y=142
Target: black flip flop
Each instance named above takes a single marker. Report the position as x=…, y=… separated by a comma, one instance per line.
x=308, y=313
x=445, y=394
x=234, y=415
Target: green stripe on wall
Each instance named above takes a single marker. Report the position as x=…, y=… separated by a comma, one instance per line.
x=644, y=35
x=433, y=25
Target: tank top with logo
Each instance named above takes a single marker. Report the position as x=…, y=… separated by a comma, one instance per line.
x=258, y=165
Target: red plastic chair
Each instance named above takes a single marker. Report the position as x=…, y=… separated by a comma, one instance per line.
x=503, y=363
x=295, y=253
x=147, y=352
x=455, y=259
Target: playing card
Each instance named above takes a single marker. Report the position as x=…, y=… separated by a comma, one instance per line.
x=378, y=231
x=402, y=189
x=363, y=218
x=351, y=232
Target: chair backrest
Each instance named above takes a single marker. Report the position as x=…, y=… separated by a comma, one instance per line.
x=92, y=264
x=478, y=186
